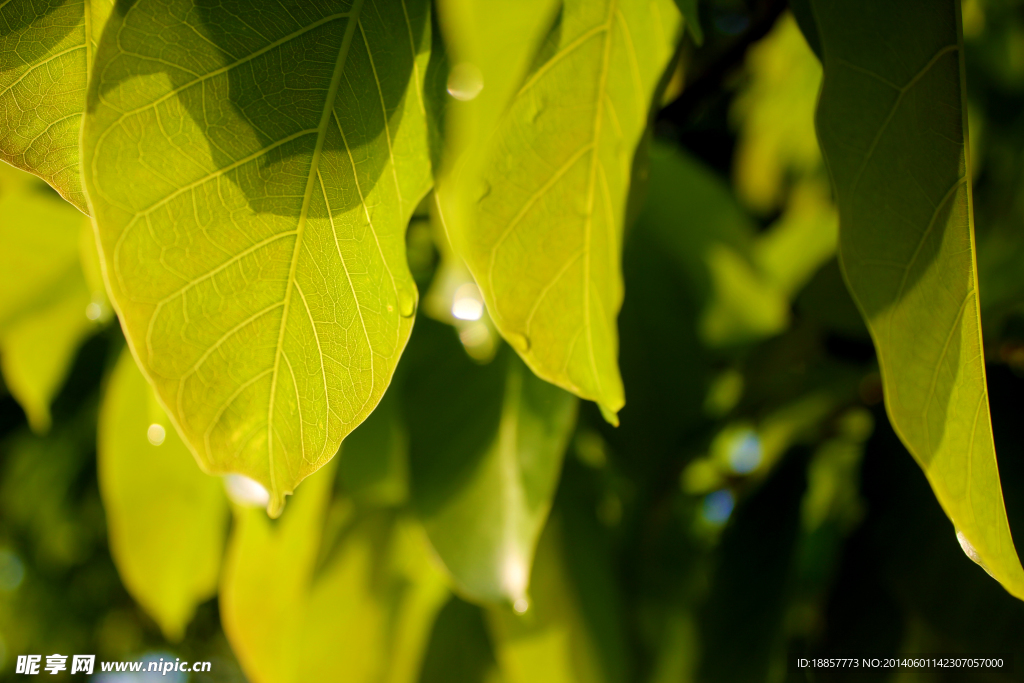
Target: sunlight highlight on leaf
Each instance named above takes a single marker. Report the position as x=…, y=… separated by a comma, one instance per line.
x=257, y=257
x=561, y=207
x=45, y=48
x=891, y=121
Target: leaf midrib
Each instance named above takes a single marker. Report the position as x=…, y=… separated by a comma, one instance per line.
x=592, y=147
x=332, y=93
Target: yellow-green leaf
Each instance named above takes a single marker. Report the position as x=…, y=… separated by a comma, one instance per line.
x=361, y=615
x=544, y=242
x=251, y=175
x=43, y=292
x=486, y=452
x=45, y=48
x=559, y=638
x=166, y=520
x=892, y=125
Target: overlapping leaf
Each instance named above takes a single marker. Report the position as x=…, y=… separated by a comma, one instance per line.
x=252, y=170
x=570, y=633
x=297, y=610
x=486, y=451
x=43, y=291
x=166, y=519
x=891, y=122
x=45, y=49
x=550, y=200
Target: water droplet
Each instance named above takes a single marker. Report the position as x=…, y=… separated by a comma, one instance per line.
x=519, y=342
x=245, y=491
x=156, y=434
x=467, y=304
x=93, y=311
x=521, y=605
x=407, y=303
x=465, y=81
x=969, y=550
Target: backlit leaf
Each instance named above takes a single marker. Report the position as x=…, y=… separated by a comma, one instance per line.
x=166, y=520
x=565, y=635
x=252, y=169
x=361, y=615
x=891, y=122
x=43, y=293
x=486, y=452
x=45, y=47
x=544, y=242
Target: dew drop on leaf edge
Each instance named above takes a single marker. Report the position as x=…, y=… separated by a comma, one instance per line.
x=519, y=342
x=406, y=303
x=465, y=81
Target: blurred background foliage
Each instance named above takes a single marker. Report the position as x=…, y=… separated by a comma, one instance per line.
x=753, y=507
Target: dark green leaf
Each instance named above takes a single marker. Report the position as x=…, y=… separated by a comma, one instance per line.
x=892, y=125
x=486, y=451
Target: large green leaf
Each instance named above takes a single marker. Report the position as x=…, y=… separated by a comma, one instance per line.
x=544, y=238
x=45, y=48
x=361, y=613
x=44, y=296
x=891, y=122
x=166, y=520
x=486, y=451
x=256, y=255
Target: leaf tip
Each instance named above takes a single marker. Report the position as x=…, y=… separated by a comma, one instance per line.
x=610, y=416
x=275, y=506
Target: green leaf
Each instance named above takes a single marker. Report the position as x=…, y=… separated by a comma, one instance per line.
x=891, y=121
x=460, y=650
x=43, y=292
x=714, y=248
x=363, y=614
x=45, y=48
x=257, y=256
x=486, y=452
x=373, y=465
x=545, y=236
x=692, y=17
x=166, y=520
x=571, y=632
